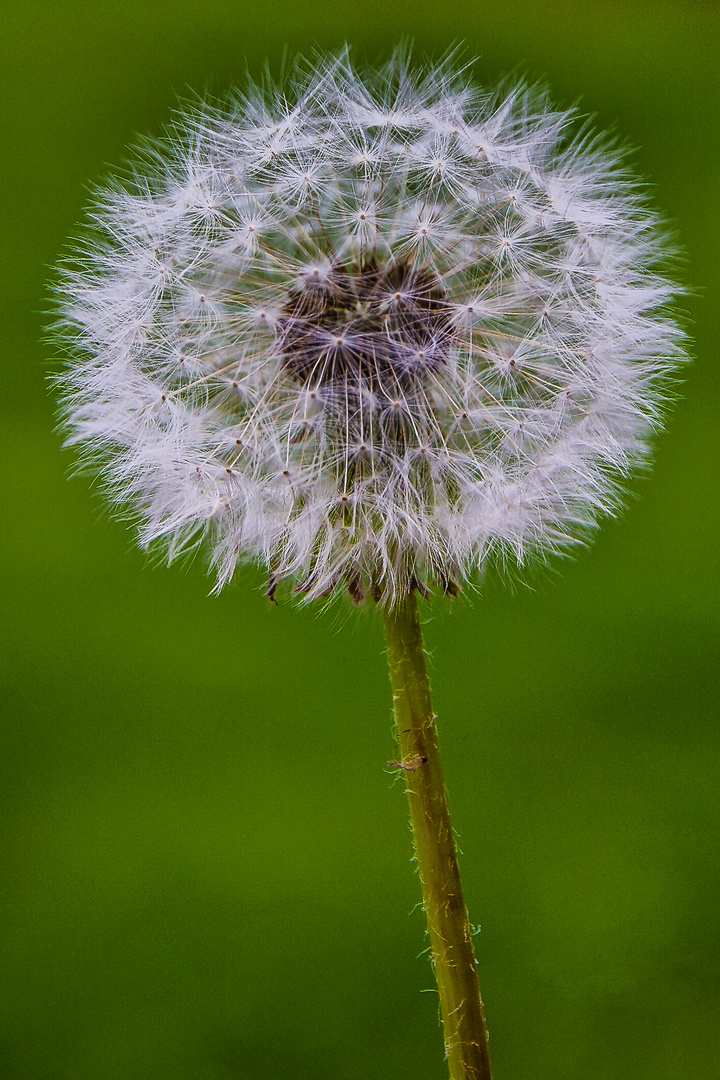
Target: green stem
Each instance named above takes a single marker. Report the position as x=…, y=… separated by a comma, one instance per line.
x=448, y=926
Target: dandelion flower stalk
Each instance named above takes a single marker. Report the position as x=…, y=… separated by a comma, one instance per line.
x=451, y=942
x=376, y=333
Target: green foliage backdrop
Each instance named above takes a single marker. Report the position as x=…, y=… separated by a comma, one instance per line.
x=206, y=866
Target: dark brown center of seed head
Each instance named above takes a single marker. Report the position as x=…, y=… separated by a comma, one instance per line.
x=371, y=326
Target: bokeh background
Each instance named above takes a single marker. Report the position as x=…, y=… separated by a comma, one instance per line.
x=206, y=864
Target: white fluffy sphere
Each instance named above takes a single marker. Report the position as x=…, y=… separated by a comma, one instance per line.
x=369, y=330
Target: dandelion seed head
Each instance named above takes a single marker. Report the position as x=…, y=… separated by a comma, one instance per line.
x=372, y=331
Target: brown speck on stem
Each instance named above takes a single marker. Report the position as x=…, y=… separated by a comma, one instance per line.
x=411, y=765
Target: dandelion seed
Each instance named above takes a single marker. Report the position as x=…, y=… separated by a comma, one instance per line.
x=374, y=333
x=410, y=296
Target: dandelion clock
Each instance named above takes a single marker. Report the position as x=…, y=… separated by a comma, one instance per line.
x=374, y=332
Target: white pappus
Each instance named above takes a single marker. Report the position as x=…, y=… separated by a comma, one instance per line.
x=371, y=330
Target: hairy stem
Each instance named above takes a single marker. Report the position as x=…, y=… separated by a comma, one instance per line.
x=448, y=926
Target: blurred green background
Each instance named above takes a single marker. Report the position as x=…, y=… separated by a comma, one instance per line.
x=206, y=868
